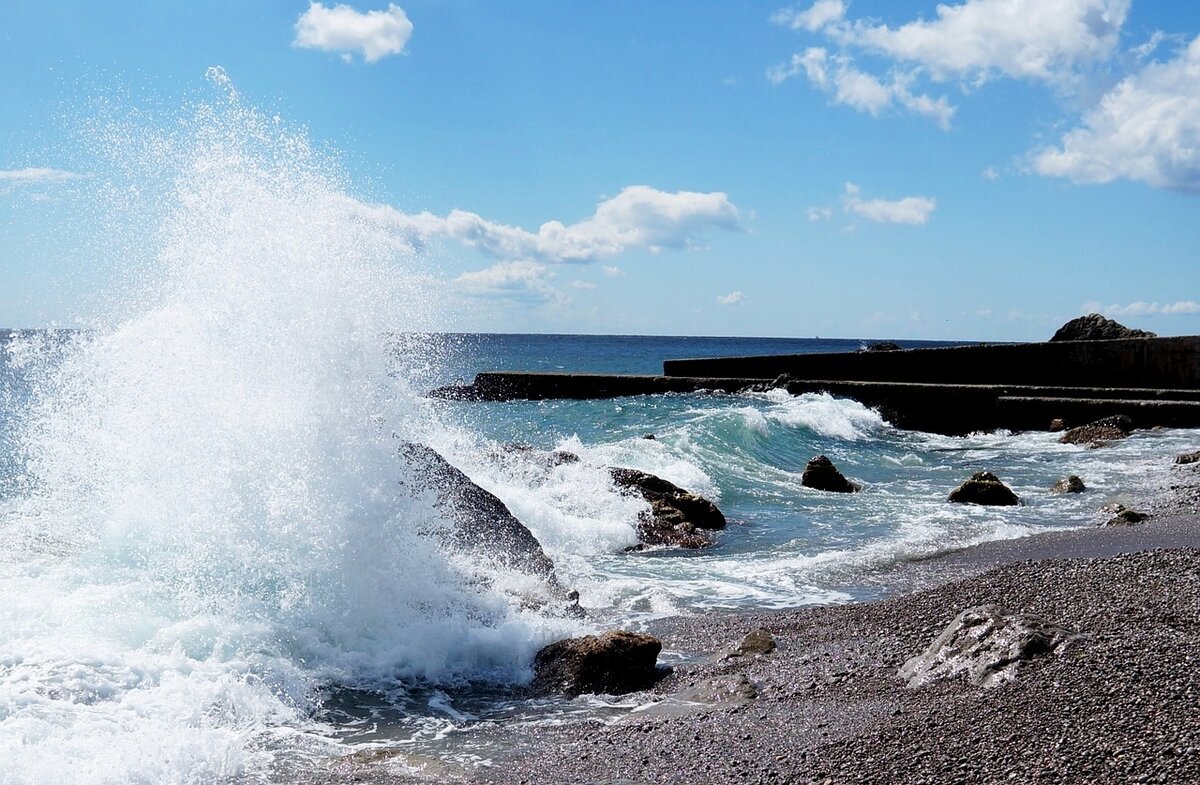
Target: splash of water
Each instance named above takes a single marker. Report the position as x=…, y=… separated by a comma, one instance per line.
x=211, y=526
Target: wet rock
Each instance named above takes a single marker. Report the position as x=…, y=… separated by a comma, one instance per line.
x=883, y=346
x=756, y=642
x=542, y=458
x=613, y=663
x=483, y=523
x=1071, y=484
x=1057, y=425
x=820, y=474
x=1106, y=429
x=1095, y=327
x=1188, y=457
x=676, y=517
x=984, y=488
x=1125, y=517
x=987, y=647
x=649, y=436
x=719, y=691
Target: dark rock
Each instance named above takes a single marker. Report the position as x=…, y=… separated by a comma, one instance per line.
x=820, y=474
x=883, y=346
x=1070, y=484
x=1106, y=429
x=1126, y=517
x=649, y=436
x=984, y=488
x=986, y=646
x=613, y=663
x=676, y=517
x=1188, y=457
x=483, y=524
x=758, y=641
x=1095, y=327
x=1057, y=425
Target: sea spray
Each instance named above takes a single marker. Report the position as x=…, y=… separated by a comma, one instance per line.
x=211, y=525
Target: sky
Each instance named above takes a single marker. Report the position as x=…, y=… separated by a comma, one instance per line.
x=983, y=169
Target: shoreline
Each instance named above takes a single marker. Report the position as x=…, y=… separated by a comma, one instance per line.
x=827, y=705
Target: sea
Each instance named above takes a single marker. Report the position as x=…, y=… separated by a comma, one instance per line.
x=217, y=567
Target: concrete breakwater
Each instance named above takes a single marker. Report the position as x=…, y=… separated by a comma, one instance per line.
x=952, y=390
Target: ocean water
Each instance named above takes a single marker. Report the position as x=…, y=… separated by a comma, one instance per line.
x=215, y=563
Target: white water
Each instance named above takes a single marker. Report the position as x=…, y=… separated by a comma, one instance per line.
x=211, y=528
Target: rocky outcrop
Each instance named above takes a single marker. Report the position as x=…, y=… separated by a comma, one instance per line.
x=613, y=663
x=1103, y=430
x=483, y=524
x=984, y=488
x=1188, y=457
x=883, y=346
x=1126, y=517
x=1071, y=484
x=676, y=517
x=986, y=646
x=820, y=474
x=1095, y=327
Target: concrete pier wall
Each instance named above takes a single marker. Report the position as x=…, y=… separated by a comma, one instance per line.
x=1131, y=363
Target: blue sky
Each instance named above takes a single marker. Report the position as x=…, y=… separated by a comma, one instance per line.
x=986, y=169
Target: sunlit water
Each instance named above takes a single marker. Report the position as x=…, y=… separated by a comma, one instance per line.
x=214, y=570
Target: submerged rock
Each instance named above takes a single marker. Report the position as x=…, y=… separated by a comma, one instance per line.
x=1071, y=484
x=613, y=663
x=1188, y=457
x=986, y=646
x=1106, y=429
x=820, y=474
x=984, y=488
x=676, y=517
x=1095, y=327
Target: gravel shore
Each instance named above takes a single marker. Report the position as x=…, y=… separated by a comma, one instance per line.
x=1120, y=704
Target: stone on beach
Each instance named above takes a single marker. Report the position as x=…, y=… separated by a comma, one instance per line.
x=984, y=488
x=1188, y=457
x=820, y=474
x=1106, y=429
x=987, y=646
x=1095, y=327
x=755, y=642
x=1071, y=484
x=1126, y=517
x=613, y=663
x=676, y=517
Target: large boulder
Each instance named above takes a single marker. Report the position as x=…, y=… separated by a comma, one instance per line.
x=820, y=474
x=1106, y=429
x=483, y=524
x=986, y=646
x=676, y=517
x=613, y=663
x=1095, y=327
x=984, y=488
x=1126, y=517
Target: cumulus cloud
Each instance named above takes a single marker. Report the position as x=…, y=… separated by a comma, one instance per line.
x=1036, y=39
x=733, y=298
x=341, y=28
x=818, y=214
x=838, y=76
x=1147, y=128
x=517, y=281
x=909, y=210
x=820, y=14
x=611, y=271
x=1144, y=309
x=36, y=175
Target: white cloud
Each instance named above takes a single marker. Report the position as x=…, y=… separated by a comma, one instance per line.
x=733, y=298
x=640, y=217
x=1144, y=309
x=909, y=210
x=1035, y=39
x=341, y=28
x=860, y=90
x=35, y=175
x=818, y=214
x=1147, y=128
x=821, y=14
x=990, y=173
x=517, y=281
x=582, y=285
x=611, y=271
